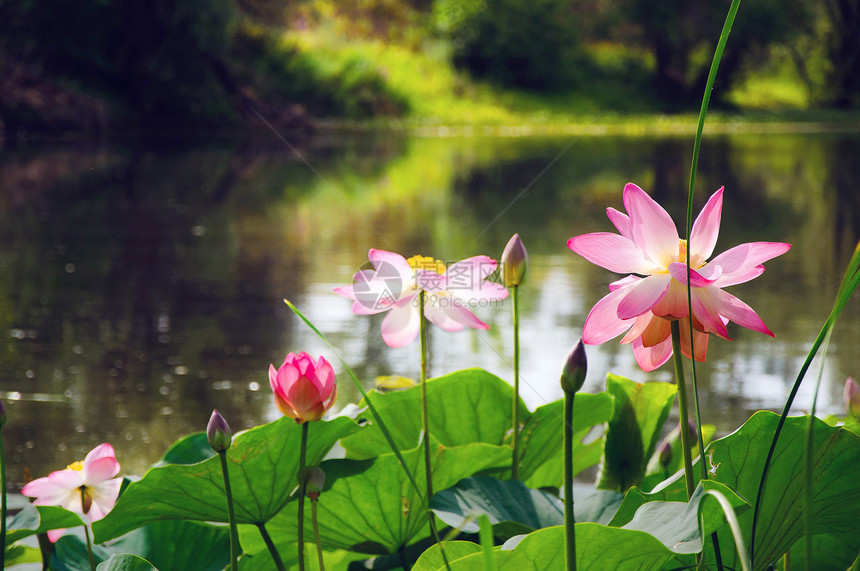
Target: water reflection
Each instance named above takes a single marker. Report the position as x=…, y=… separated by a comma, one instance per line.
x=141, y=288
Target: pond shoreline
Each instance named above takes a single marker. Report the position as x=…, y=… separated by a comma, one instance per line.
x=639, y=126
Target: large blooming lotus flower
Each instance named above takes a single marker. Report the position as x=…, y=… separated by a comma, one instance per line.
x=394, y=283
x=655, y=291
x=303, y=389
x=94, y=479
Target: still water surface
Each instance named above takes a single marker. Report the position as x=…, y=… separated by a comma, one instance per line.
x=141, y=287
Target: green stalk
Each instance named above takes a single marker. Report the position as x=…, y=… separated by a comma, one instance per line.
x=569, y=519
x=515, y=463
x=706, y=100
x=677, y=359
x=425, y=418
x=86, y=530
x=485, y=535
x=301, y=529
x=267, y=539
x=422, y=297
x=234, y=536
x=317, y=534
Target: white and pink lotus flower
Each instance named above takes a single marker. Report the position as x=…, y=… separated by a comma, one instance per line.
x=394, y=283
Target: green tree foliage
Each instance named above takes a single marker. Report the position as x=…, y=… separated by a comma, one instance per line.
x=522, y=43
x=681, y=35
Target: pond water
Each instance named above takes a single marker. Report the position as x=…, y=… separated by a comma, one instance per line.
x=141, y=286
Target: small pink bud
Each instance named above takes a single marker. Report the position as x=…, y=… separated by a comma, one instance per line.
x=218, y=432
x=665, y=455
x=851, y=396
x=691, y=432
x=314, y=482
x=575, y=369
x=515, y=262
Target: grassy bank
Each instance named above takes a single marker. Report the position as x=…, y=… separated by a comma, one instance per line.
x=334, y=69
x=612, y=95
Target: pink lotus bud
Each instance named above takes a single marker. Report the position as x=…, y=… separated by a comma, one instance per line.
x=515, y=262
x=218, y=432
x=303, y=389
x=575, y=369
x=314, y=482
x=851, y=396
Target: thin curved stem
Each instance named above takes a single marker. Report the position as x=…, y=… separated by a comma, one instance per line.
x=270, y=545
x=515, y=413
x=682, y=407
x=300, y=539
x=809, y=482
x=850, y=283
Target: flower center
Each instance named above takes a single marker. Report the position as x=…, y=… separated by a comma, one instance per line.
x=76, y=466
x=682, y=251
x=419, y=262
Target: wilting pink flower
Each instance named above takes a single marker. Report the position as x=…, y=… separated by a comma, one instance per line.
x=394, y=284
x=92, y=480
x=303, y=389
x=654, y=293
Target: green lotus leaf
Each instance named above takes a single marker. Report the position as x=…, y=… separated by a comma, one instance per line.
x=263, y=463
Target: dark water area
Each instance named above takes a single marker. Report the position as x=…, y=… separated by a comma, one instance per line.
x=142, y=286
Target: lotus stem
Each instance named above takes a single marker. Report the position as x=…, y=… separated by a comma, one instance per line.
x=425, y=418
x=682, y=407
x=317, y=534
x=516, y=400
x=301, y=529
x=267, y=539
x=86, y=530
x=231, y=517
x=569, y=519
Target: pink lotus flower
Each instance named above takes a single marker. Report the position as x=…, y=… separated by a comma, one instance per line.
x=303, y=389
x=94, y=479
x=394, y=283
x=644, y=302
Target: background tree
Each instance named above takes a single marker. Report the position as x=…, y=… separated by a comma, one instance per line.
x=521, y=43
x=681, y=35
x=163, y=58
x=843, y=51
